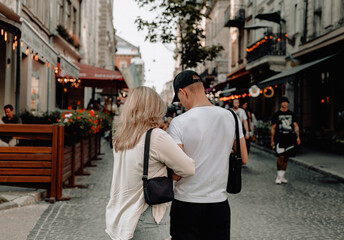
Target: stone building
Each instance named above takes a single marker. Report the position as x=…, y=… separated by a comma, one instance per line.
x=292, y=49
x=129, y=62
x=42, y=43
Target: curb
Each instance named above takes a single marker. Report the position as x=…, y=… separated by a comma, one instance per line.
x=20, y=199
x=301, y=163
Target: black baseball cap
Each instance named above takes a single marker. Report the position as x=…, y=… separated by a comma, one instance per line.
x=184, y=79
x=284, y=99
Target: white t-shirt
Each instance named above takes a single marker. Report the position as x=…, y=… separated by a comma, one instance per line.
x=207, y=134
x=241, y=113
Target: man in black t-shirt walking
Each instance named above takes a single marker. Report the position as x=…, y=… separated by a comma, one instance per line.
x=285, y=134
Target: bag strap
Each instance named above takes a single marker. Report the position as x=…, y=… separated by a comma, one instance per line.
x=146, y=155
x=238, y=150
x=146, y=158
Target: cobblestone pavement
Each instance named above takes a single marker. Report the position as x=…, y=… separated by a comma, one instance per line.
x=83, y=217
x=310, y=206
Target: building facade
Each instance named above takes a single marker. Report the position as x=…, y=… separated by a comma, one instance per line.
x=129, y=62
x=288, y=49
x=41, y=43
x=167, y=93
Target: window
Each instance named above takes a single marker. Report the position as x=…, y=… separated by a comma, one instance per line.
x=317, y=17
x=123, y=65
x=46, y=13
x=341, y=18
x=296, y=19
x=327, y=14
x=60, y=12
x=234, y=52
x=74, y=21
x=68, y=15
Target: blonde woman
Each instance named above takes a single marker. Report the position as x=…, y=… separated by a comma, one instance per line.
x=128, y=216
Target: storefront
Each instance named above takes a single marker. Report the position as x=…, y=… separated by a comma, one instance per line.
x=315, y=90
x=10, y=43
x=69, y=92
x=39, y=62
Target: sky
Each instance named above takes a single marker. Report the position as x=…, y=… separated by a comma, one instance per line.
x=158, y=58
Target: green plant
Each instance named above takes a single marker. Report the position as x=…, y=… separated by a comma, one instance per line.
x=83, y=122
x=70, y=38
x=186, y=18
x=43, y=118
x=105, y=121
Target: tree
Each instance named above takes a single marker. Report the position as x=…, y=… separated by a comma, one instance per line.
x=185, y=16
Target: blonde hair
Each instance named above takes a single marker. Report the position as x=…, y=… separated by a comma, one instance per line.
x=143, y=109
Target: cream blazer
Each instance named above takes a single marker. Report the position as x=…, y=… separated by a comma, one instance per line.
x=127, y=201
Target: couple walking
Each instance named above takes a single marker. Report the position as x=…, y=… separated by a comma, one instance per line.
x=196, y=147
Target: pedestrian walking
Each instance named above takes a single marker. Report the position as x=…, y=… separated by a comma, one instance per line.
x=206, y=133
x=128, y=216
x=285, y=134
x=242, y=116
x=244, y=106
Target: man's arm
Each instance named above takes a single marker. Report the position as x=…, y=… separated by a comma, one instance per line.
x=243, y=150
x=273, y=130
x=297, y=131
x=247, y=134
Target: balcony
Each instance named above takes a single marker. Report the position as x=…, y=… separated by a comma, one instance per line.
x=235, y=16
x=271, y=46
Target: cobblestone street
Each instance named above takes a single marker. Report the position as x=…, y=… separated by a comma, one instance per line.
x=308, y=207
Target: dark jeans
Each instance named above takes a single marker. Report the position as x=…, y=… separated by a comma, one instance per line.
x=200, y=221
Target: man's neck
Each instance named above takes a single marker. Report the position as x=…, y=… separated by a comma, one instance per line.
x=201, y=102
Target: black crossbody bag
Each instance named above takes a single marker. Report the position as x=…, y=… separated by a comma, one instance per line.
x=156, y=190
x=235, y=162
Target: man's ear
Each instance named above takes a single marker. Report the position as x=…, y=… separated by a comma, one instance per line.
x=183, y=91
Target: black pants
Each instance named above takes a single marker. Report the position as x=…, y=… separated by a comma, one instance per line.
x=200, y=221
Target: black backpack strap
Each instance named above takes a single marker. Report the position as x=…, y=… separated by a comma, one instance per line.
x=146, y=155
x=238, y=150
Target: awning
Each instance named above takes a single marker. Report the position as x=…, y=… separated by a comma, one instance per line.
x=272, y=17
x=257, y=26
x=289, y=75
x=217, y=87
x=38, y=44
x=99, y=77
x=66, y=69
x=239, y=73
x=228, y=91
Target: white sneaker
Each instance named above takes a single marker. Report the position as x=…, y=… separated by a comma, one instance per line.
x=278, y=180
x=283, y=180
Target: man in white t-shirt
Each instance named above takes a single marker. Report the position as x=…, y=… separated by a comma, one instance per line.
x=242, y=116
x=206, y=133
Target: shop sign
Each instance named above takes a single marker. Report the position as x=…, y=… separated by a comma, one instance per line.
x=68, y=68
x=33, y=40
x=254, y=91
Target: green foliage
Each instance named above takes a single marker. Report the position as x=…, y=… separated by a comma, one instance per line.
x=185, y=16
x=105, y=121
x=45, y=118
x=81, y=122
x=70, y=38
